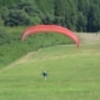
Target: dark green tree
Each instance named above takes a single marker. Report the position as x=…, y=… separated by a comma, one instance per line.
x=81, y=22
x=71, y=15
x=83, y=8
x=60, y=11
x=94, y=17
x=8, y=3
x=4, y=37
x=17, y=17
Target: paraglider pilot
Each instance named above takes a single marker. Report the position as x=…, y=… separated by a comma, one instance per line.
x=45, y=74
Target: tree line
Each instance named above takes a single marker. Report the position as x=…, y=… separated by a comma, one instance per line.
x=77, y=15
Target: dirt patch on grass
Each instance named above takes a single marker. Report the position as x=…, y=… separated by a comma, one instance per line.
x=89, y=38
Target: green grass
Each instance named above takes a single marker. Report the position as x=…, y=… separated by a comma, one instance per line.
x=74, y=74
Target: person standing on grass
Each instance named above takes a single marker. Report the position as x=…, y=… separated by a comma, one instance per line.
x=45, y=74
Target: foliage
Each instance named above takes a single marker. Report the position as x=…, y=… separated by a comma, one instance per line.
x=4, y=38
x=94, y=18
x=20, y=14
x=80, y=15
x=17, y=17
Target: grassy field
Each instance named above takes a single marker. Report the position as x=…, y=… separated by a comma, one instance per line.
x=74, y=74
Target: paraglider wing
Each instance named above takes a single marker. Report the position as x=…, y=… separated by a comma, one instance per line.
x=50, y=28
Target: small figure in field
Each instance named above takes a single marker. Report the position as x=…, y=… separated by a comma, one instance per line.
x=45, y=74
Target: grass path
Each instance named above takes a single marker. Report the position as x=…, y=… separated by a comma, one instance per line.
x=22, y=59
